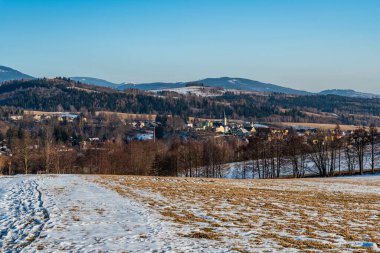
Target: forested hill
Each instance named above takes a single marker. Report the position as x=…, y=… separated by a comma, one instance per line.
x=61, y=93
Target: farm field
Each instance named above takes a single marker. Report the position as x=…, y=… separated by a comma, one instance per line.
x=72, y=213
x=315, y=215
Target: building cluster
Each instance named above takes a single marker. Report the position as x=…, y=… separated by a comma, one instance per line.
x=225, y=127
x=143, y=128
x=249, y=130
x=39, y=117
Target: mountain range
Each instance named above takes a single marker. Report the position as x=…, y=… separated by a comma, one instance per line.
x=96, y=82
x=7, y=74
x=349, y=93
x=227, y=83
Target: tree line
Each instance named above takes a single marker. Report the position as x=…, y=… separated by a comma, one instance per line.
x=56, y=148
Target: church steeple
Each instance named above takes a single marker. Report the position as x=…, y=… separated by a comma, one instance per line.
x=225, y=119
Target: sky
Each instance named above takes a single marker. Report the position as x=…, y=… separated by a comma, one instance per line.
x=303, y=44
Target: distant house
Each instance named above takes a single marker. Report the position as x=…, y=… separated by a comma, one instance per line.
x=220, y=129
x=202, y=125
x=151, y=124
x=247, y=125
x=144, y=136
x=138, y=124
x=234, y=130
x=37, y=117
x=67, y=116
x=16, y=117
x=242, y=132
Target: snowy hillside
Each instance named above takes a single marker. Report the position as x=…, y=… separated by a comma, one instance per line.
x=95, y=81
x=69, y=213
x=198, y=91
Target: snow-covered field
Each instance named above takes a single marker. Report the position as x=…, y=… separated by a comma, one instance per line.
x=71, y=213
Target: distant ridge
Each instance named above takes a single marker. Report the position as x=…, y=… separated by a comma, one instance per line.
x=95, y=81
x=222, y=82
x=348, y=93
x=249, y=85
x=9, y=74
x=227, y=83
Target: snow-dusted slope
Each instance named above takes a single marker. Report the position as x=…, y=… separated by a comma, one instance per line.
x=198, y=91
x=95, y=81
x=69, y=213
x=289, y=215
x=72, y=214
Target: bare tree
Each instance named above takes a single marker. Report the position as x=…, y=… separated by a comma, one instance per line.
x=372, y=140
x=23, y=150
x=350, y=160
x=339, y=142
x=359, y=141
x=3, y=164
x=295, y=150
x=48, y=149
x=319, y=154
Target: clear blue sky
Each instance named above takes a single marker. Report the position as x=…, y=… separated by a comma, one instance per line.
x=304, y=44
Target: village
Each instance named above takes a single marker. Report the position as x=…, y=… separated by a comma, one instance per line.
x=143, y=127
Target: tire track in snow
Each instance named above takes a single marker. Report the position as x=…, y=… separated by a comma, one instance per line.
x=24, y=218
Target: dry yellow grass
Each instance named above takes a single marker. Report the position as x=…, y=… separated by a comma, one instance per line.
x=325, y=215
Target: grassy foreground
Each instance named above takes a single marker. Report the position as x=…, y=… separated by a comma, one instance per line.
x=308, y=215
